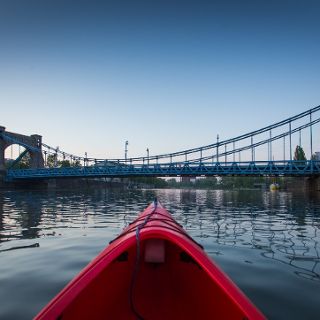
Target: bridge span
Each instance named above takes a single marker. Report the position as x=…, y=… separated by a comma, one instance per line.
x=285, y=148
x=258, y=168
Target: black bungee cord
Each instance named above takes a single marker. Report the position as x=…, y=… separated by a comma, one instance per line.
x=137, y=261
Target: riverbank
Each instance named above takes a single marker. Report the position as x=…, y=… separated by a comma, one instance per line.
x=208, y=183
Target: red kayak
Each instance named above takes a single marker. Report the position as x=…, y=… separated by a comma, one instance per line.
x=152, y=270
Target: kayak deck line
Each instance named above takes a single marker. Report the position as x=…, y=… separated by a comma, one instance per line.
x=171, y=225
x=152, y=271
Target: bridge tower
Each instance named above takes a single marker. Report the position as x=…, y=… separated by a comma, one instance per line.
x=33, y=145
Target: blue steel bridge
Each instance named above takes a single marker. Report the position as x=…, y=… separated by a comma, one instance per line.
x=268, y=151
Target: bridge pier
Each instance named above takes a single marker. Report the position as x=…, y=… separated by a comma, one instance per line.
x=36, y=157
x=312, y=184
x=2, y=148
x=52, y=183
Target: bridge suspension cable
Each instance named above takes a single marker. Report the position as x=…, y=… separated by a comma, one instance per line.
x=213, y=151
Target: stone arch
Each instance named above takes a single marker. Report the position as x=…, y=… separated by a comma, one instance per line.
x=31, y=143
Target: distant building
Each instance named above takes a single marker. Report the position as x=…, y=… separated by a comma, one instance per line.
x=317, y=155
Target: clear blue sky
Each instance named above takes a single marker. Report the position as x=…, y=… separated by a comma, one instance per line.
x=167, y=75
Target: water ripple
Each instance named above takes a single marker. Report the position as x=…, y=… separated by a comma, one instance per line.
x=257, y=237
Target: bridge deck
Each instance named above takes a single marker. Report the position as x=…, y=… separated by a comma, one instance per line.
x=259, y=168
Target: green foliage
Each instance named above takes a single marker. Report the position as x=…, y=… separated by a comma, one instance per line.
x=221, y=183
x=24, y=163
x=50, y=160
x=173, y=183
x=299, y=154
x=203, y=183
x=76, y=164
x=64, y=164
x=152, y=181
x=61, y=163
x=206, y=183
x=241, y=182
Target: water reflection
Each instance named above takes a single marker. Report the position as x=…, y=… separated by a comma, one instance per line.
x=283, y=226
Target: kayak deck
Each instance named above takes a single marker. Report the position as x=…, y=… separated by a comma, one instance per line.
x=153, y=270
x=176, y=289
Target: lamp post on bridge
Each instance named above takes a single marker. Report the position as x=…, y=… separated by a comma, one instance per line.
x=45, y=157
x=85, y=160
x=126, y=150
x=148, y=154
x=217, y=147
x=56, y=157
x=300, y=138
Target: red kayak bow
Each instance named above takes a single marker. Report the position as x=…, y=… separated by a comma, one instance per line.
x=153, y=270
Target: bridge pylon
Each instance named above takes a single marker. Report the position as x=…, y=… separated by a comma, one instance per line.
x=32, y=143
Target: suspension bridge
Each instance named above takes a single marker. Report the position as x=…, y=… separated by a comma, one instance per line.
x=269, y=151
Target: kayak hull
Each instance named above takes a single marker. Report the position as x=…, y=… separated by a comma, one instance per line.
x=153, y=270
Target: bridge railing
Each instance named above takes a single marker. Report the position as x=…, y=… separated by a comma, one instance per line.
x=245, y=168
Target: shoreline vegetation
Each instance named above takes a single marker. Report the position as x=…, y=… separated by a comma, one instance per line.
x=201, y=183
x=223, y=183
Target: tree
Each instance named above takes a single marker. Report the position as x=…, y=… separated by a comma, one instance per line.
x=64, y=164
x=152, y=181
x=241, y=182
x=51, y=160
x=172, y=183
x=24, y=163
x=299, y=154
x=206, y=183
x=76, y=164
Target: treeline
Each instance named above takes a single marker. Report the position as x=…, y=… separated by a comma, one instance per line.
x=230, y=183
x=149, y=181
x=51, y=162
x=211, y=182
x=220, y=183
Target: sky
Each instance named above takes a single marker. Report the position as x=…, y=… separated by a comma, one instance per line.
x=164, y=75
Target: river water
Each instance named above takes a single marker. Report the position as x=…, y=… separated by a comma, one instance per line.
x=267, y=242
